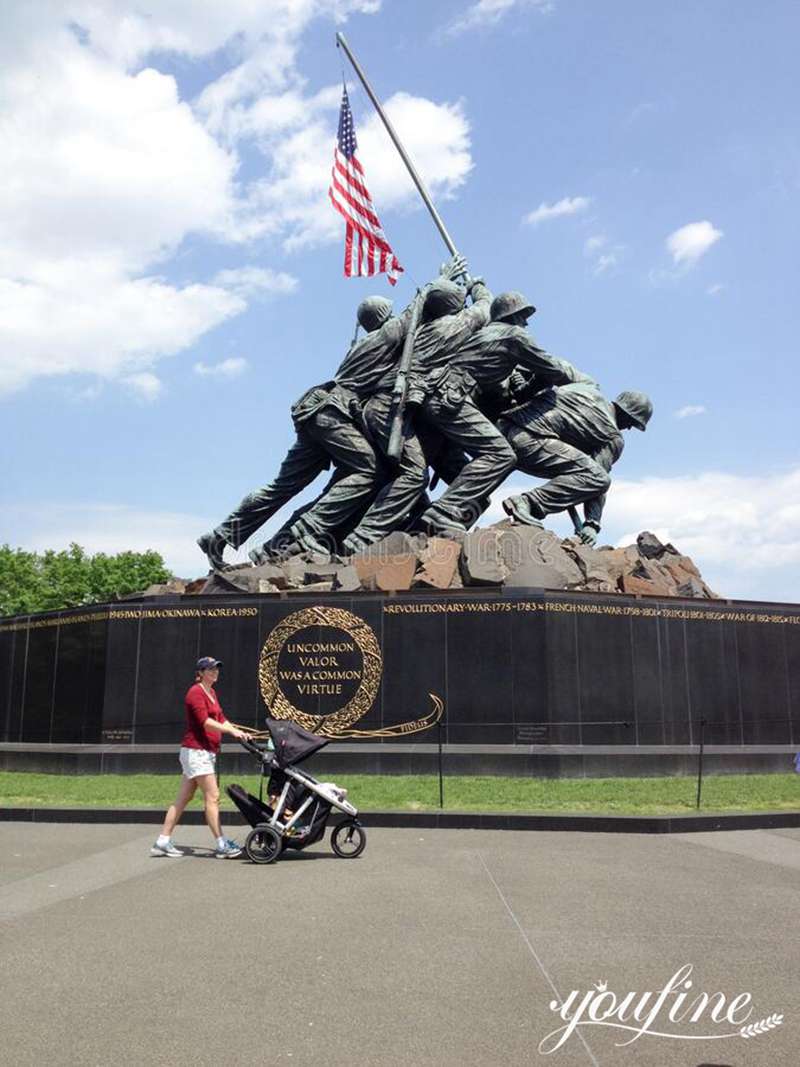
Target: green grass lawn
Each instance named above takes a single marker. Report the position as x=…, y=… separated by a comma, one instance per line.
x=624, y=796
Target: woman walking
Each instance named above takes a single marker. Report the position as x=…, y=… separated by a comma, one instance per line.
x=205, y=725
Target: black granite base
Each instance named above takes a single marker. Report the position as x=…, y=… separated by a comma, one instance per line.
x=522, y=671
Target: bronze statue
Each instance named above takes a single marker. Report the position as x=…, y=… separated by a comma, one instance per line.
x=462, y=389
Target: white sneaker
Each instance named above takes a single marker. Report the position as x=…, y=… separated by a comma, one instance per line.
x=165, y=850
x=230, y=850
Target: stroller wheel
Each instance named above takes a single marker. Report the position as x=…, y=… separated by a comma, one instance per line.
x=349, y=839
x=263, y=845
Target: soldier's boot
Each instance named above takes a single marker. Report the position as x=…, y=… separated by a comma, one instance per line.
x=353, y=544
x=281, y=546
x=309, y=541
x=290, y=541
x=519, y=509
x=436, y=524
x=412, y=522
x=213, y=546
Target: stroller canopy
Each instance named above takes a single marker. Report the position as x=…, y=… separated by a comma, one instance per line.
x=292, y=743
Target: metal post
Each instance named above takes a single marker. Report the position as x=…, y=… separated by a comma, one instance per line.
x=700, y=762
x=441, y=778
x=423, y=192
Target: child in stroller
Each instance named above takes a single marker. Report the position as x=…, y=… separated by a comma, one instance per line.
x=299, y=805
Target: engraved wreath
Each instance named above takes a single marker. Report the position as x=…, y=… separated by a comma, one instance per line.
x=277, y=701
x=338, y=723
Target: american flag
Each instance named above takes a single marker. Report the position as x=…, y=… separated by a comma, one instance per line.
x=366, y=250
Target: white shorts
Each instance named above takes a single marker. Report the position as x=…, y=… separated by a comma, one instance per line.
x=197, y=761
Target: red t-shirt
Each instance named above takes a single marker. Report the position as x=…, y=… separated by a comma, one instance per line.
x=199, y=707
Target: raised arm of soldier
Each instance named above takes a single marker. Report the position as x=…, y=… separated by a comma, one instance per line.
x=369, y=366
x=606, y=457
x=480, y=309
x=447, y=323
x=525, y=383
x=447, y=408
x=455, y=267
x=491, y=354
x=535, y=369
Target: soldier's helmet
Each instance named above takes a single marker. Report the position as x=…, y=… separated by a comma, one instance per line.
x=507, y=304
x=443, y=298
x=373, y=312
x=637, y=406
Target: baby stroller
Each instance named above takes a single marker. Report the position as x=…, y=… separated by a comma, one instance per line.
x=301, y=812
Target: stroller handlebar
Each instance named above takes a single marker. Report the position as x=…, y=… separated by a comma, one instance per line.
x=265, y=755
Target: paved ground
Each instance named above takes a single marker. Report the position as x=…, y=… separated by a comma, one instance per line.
x=435, y=947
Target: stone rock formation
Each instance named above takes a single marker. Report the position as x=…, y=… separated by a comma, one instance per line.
x=503, y=556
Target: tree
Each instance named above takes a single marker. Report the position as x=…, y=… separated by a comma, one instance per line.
x=21, y=584
x=31, y=582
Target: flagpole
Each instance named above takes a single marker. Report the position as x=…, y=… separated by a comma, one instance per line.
x=423, y=192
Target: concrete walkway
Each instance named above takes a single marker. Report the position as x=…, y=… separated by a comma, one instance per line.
x=435, y=947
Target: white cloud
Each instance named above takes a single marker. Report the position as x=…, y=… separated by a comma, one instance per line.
x=692, y=241
x=490, y=12
x=146, y=386
x=227, y=368
x=107, y=172
x=85, y=395
x=713, y=290
x=604, y=263
x=255, y=281
x=603, y=257
x=689, y=411
x=128, y=33
x=592, y=245
x=742, y=532
x=100, y=322
x=569, y=205
x=293, y=200
x=112, y=528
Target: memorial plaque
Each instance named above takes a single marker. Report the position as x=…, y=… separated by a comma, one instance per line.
x=537, y=733
x=117, y=737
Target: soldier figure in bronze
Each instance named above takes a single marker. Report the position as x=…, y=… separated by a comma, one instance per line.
x=446, y=407
x=326, y=432
x=571, y=435
x=575, y=448
x=397, y=499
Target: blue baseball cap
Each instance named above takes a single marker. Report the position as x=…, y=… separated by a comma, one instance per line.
x=205, y=663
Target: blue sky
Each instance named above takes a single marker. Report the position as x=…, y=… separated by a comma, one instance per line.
x=171, y=270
